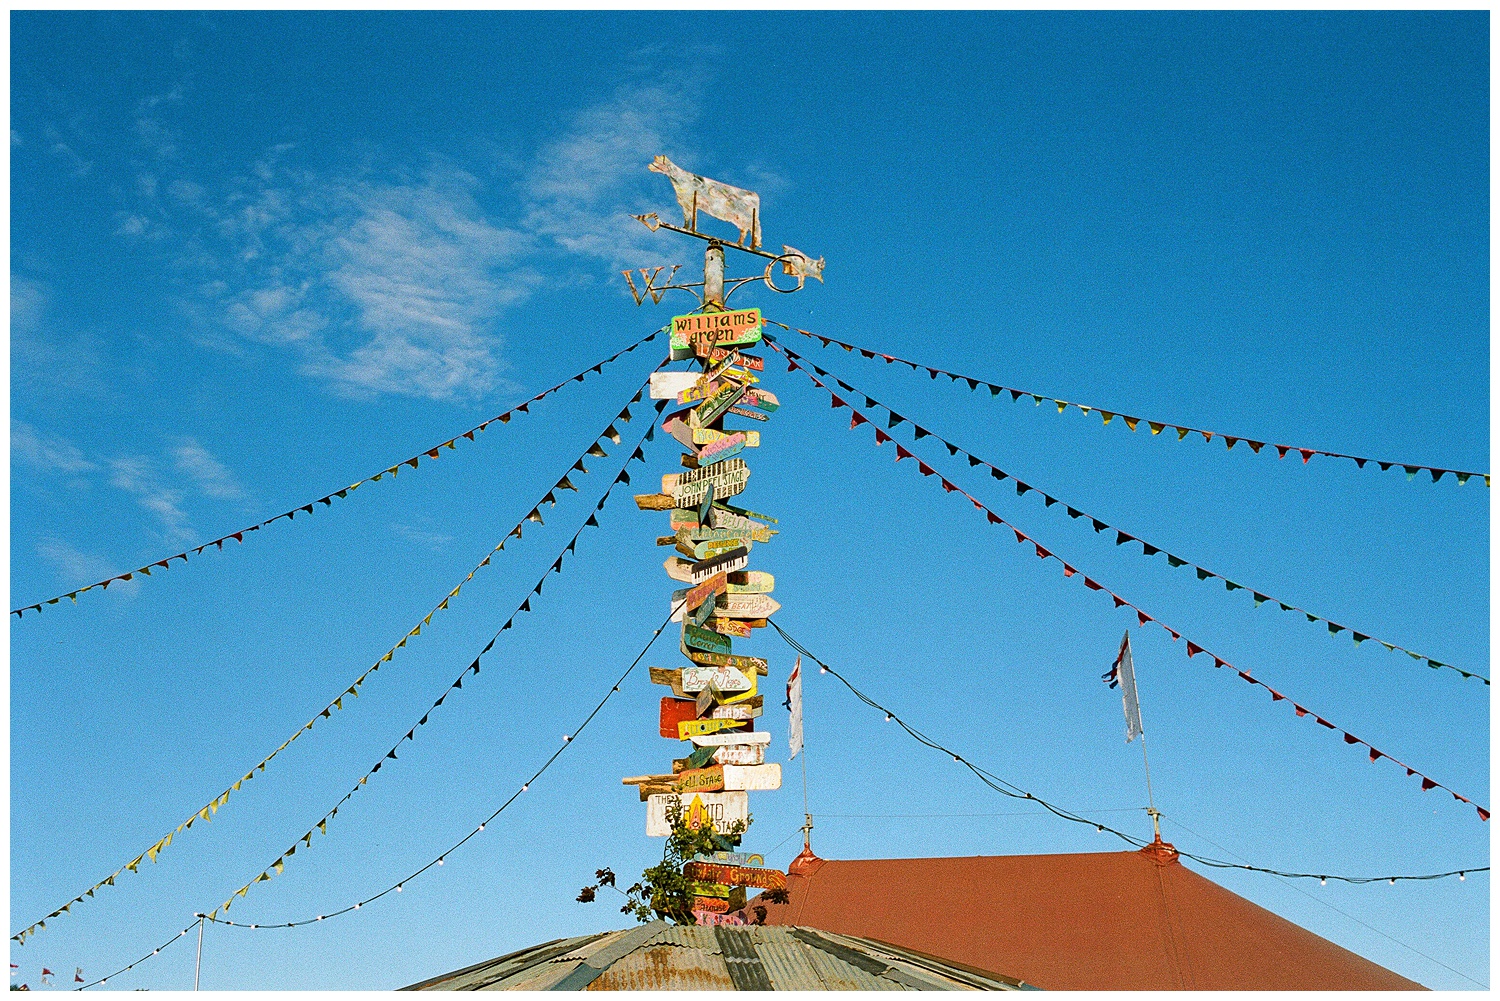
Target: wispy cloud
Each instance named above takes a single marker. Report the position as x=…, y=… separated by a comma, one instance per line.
x=211, y=476
x=583, y=187
x=424, y=537
x=75, y=567
x=397, y=284
x=46, y=351
x=47, y=451
x=139, y=477
x=378, y=287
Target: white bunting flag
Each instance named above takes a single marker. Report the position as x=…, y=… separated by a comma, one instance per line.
x=794, y=703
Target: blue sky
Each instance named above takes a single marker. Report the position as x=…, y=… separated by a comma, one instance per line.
x=256, y=257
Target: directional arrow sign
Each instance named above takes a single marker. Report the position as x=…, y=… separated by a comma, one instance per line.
x=666, y=385
x=751, y=582
x=690, y=728
x=746, y=606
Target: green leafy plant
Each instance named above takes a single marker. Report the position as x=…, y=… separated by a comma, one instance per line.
x=662, y=891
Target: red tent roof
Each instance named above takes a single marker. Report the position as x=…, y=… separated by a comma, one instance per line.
x=1097, y=921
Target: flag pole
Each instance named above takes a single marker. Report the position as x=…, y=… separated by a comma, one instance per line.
x=198, y=963
x=1151, y=809
x=807, y=824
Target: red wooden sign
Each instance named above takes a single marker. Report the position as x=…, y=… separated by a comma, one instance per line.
x=674, y=711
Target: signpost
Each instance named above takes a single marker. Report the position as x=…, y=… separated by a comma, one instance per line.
x=745, y=664
x=726, y=562
x=722, y=677
x=715, y=700
x=716, y=330
x=715, y=585
x=666, y=385
x=720, y=808
x=746, y=606
x=711, y=409
x=690, y=729
x=727, y=478
x=751, y=582
x=738, y=754
x=735, y=875
x=707, y=436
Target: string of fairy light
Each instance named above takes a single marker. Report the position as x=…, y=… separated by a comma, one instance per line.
x=436, y=861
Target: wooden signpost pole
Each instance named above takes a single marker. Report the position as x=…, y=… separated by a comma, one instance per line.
x=714, y=700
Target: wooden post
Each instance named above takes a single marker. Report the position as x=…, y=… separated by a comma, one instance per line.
x=713, y=277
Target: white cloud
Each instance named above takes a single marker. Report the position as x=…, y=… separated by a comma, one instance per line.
x=30, y=446
x=381, y=287
x=211, y=476
x=77, y=568
x=28, y=300
x=434, y=541
x=584, y=186
x=395, y=285
x=137, y=476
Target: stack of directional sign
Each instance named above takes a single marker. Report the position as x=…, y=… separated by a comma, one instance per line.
x=716, y=697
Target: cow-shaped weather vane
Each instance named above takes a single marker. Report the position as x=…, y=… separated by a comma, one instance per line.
x=740, y=208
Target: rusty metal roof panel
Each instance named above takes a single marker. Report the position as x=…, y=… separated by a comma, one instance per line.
x=690, y=937
x=666, y=967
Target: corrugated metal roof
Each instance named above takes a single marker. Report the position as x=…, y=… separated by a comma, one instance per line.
x=659, y=956
x=661, y=967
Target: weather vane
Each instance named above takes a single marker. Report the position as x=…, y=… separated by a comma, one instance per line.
x=736, y=206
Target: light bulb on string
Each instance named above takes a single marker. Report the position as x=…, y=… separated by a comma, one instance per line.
x=1460, y=877
x=1322, y=880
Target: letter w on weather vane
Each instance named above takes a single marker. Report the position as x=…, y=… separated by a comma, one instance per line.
x=697, y=196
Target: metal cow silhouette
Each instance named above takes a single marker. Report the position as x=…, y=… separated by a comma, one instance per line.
x=700, y=194
x=795, y=262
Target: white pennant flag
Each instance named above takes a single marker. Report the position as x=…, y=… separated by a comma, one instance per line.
x=1123, y=674
x=794, y=703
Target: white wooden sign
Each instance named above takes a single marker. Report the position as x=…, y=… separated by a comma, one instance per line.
x=721, y=739
x=737, y=777
x=666, y=385
x=740, y=754
x=724, y=808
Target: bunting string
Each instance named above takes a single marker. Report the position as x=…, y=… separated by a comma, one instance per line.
x=1193, y=649
x=439, y=860
x=207, y=811
x=1121, y=536
x=1156, y=427
x=321, y=827
x=1005, y=788
x=327, y=500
